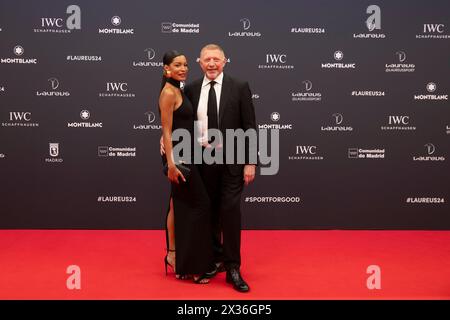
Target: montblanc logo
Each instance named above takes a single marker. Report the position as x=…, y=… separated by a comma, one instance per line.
x=116, y=90
x=337, y=127
x=276, y=61
x=2, y=89
x=18, y=51
x=367, y=93
x=400, y=66
x=431, y=87
x=116, y=21
x=20, y=119
x=372, y=23
x=447, y=129
x=149, y=54
x=85, y=115
x=173, y=27
x=433, y=31
x=306, y=94
x=150, y=125
x=61, y=25
x=365, y=153
x=338, y=56
x=275, y=117
x=430, y=154
x=306, y=152
x=53, y=152
x=245, y=23
x=117, y=152
x=54, y=84
x=398, y=123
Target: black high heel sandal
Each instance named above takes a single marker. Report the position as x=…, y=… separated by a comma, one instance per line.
x=166, y=262
x=201, y=278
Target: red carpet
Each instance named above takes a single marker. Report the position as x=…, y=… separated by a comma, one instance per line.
x=277, y=265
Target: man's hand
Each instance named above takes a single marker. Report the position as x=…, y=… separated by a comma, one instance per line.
x=249, y=173
x=162, y=150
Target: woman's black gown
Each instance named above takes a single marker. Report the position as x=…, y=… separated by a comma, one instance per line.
x=193, y=238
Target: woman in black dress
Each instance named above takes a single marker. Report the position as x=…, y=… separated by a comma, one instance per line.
x=188, y=232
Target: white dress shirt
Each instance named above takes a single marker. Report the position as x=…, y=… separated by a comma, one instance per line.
x=202, y=111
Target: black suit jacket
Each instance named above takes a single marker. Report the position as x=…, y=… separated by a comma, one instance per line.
x=236, y=111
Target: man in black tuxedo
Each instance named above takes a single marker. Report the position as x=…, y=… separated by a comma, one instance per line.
x=222, y=102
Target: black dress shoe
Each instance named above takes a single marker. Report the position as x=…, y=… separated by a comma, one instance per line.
x=234, y=277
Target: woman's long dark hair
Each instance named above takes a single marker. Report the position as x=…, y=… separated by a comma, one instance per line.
x=168, y=58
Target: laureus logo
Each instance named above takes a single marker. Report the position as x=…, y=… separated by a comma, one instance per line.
x=150, y=116
x=308, y=85
x=430, y=151
x=338, y=118
x=400, y=66
x=150, y=53
x=245, y=23
x=430, y=148
x=54, y=83
x=401, y=56
x=306, y=95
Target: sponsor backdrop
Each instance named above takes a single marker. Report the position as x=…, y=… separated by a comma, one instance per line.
x=358, y=91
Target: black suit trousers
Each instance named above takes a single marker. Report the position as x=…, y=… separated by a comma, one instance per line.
x=225, y=190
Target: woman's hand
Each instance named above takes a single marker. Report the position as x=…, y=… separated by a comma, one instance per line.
x=174, y=174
